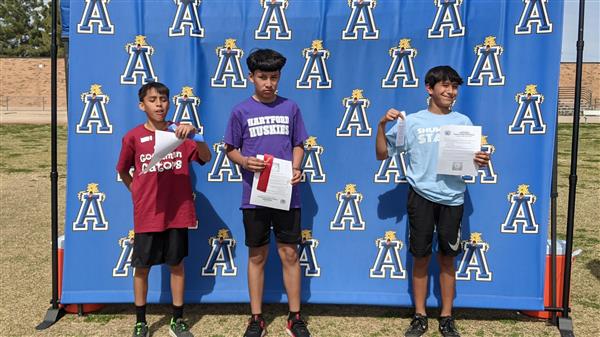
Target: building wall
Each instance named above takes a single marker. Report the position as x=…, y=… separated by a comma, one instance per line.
x=590, y=80
x=25, y=83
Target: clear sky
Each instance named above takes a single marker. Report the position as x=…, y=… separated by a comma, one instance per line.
x=591, y=31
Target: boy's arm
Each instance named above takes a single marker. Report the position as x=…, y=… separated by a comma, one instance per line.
x=203, y=152
x=297, y=156
x=381, y=151
x=252, y=164
x=127, y=178
x=183, y=131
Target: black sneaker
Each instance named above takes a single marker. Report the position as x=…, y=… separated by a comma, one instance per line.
x=256, y=327
x=447, y=327
x=141, y=330
x=296, y=327
x=417, y=327
x=178, y=328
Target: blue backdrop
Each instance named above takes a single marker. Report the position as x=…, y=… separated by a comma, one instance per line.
x=348, y=62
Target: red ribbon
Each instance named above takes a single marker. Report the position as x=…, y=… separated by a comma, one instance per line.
x=263, y=179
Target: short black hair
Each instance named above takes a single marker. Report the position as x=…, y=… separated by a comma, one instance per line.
x=160, y=88
x=440, y=74
x=265, y=60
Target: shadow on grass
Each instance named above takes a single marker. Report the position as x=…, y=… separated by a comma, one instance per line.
x=594, y=267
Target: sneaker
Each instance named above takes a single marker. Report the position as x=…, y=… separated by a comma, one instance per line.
x=256, y=327
x=296, y=327
x=178, y=328
x=417, y=327
x=141, y=330
x=447, y=327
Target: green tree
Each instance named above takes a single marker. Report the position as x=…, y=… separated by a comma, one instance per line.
x=25, y=28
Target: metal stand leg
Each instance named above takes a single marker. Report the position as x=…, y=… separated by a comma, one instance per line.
x=52, y=316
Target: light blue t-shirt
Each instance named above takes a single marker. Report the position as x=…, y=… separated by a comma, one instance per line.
x=421, y=139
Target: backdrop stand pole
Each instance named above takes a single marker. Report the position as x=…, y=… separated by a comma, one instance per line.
x=565, y=324
x=553, y=197
x=55, y=312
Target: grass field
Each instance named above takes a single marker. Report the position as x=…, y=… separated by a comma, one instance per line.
x=25, y=261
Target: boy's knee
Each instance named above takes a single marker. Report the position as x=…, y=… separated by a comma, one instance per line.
x=177, y=269
x=257, y=260
x=258, y=256
x=447, y=262
x=141, y=272
x=289, y=256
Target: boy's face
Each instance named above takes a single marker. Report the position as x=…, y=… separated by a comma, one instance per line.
x=443, y=93
x=155, y=105
x=265, y=84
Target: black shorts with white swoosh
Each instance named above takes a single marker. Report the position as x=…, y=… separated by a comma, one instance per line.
x=425, y=217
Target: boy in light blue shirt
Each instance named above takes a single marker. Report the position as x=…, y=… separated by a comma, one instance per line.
x=434, y=201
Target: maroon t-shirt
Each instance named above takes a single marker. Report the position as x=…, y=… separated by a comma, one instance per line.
x=162, y=197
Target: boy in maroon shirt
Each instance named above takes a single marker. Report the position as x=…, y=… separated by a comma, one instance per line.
x=163, y=204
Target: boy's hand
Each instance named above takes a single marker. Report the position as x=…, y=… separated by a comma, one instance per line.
x=296, y=176
x=391, y=115
x=184, y=130
x=253, y=164
x=482, y=159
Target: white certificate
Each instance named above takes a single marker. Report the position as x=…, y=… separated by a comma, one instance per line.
x=456, y=150
x=164, y=143
x=400, y=129
x=279, y=187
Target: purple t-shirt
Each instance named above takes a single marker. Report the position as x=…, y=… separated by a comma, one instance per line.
x=258, y=128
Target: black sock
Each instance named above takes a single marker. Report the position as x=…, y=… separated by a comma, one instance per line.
x=293, y=314
x=140, y=313
x=177, y=312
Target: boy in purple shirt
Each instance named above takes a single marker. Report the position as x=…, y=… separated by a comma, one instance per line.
x=269, y=124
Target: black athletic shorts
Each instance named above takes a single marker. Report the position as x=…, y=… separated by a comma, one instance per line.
x=168, y=247
x=424, y=216
x=258, y=223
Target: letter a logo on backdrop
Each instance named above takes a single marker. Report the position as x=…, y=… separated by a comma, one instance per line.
x=221, y=255
x=307, y=255
x=486, y=174
x=121, y=269
x=273, y=18
x=94, y=112
x=388, y=257
x=223, y=166
x=348, y=211
x=229, y=66
x=487, y=64
x=91, y=211
x=528, y=112
x=139, y=62
x=474, y=260
x=534, y=11
x=520, y=212
x=355, y=116
x=315, y=67
x=186, y=109
x=312, y=170
x=95, y=12
x=447, y=16
x=394, y=165
x=187, y=15
x=361, y=17
x=402, y=66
